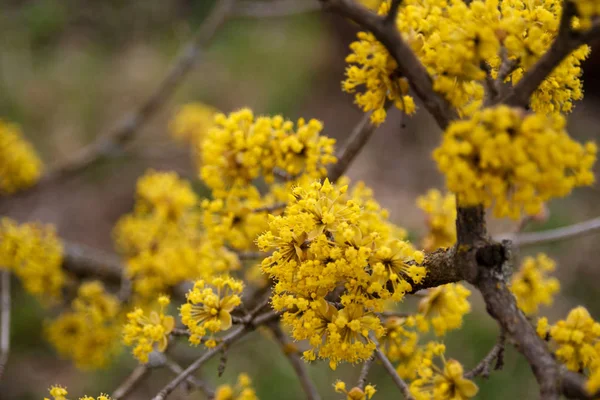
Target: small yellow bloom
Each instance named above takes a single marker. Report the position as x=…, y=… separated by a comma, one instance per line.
x=531, y=285
x=445, y=307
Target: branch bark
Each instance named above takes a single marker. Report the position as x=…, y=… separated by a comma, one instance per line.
x=408, y=63
x=552, y=235
x=4, y=318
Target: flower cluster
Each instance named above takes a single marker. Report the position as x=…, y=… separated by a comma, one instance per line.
x=356, y=393
x=512, y=161
x=323, y=241
x=531, y=285
x=34, y=253
x=458, y=42
x=163, y=240
x=60, y=393
x=586, y=11
x=441, y=219
x=444, y=307
x=400, y=345
x=147, y=331
x=242, y=147
x=447, y=383
x=577, y=340
x=241, y=391
x=88, y=333
x=20, y=166
x=208, y=308
x=191, y=123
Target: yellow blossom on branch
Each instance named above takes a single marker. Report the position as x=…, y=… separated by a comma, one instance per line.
x=33, y=253
x=60, y=393
x=441, y=219
x=514, y=162
x=20, y=166
x=191, y=122
x=148, y=332
x=444, y=307
x=355, y=393
x=208, y=308
x=241, y=391
x=531, y=285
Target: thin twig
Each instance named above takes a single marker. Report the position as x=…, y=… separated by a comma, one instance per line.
x=277, y=8
x=552, y=235
x=251, y=255
x=390, y=18
x=83, y=261
x=5, y=319
x=391, y=314
x=387, y=364
x=198, y=383
x=132, y=380
x=364, y=372
x=357, y=140
x=181, y=332
x=299, y=366
x=126, y=129
x=495, y=354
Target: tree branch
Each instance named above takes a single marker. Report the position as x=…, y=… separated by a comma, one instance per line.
x=564, y=44
x=299, y=366
x=200, y=384
x=84, y=261
x=135, y=378
x=358, y=138
x=551, y=235
x=364, y=372
x=5, y=319
x=278, y=8
x=387, y=364
x=408, y=63
x=495, y=354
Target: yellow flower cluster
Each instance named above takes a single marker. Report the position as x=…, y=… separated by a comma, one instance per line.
x=208, y=308
x=163, y=240
x=325, y=240
x=241, y=391
x=60, y=393
x=577, y=340
x=88, y=333
x=146, y=331
x=531, y=285
x=34, y=253
x=435, y=383
x=355, y=393
x=242, y=147
x=586, y=11
x=512, y=161
x=20, y=166
x=441, y=219
x=400, y=345
x=444, y=307
x=191, y=122
x=457, y=42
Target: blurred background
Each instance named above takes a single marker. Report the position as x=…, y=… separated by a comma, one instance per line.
x=70, y=69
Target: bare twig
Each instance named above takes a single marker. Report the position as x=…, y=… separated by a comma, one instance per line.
x=393, y=12
x=387, y=364
x=299, y=366
x=126, y=129
x=275, y=8
x=181, y=332
x=364, y=372
x=551, y=235
x=409, y=65
x=495, y=354
x=5, y=319
x=564, y=44
x=84, y=261
x=198, y=383
x=132, y=380
x=391, y=314
x=357, y=140
x=251, y=255
x=271, y=208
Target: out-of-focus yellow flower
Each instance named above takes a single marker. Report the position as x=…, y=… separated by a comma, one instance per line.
x=20, y=166
x=531, y=285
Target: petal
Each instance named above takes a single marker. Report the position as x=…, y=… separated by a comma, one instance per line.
x=225, y=319
x=467, y=388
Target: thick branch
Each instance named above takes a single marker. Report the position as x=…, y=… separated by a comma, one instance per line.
x=4, y=319
x=564, y=44
x=408, y=63
x=299, y=366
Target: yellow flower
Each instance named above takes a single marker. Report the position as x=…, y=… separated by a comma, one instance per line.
x=444, y=306
x=355, y=393
x=241, y=391
x=191, y=122
x=20, y=166
x=35, y=254
x=442, y=384
x=208, y=308
x=59, y=393
x=512, y=162
x=531, y=285
x=441, y=219
x=144, y=331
